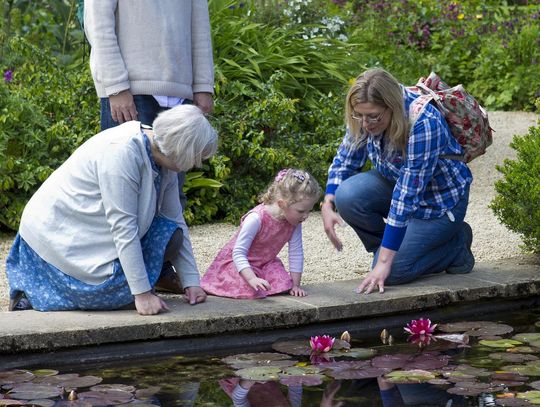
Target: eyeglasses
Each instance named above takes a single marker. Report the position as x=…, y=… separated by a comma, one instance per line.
x=368, y=119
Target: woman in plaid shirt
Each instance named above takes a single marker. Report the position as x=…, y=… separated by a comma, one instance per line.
x=408, y=209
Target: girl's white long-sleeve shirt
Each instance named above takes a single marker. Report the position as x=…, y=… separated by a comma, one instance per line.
x=249, y=229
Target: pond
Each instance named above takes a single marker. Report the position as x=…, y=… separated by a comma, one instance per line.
x=474, y=363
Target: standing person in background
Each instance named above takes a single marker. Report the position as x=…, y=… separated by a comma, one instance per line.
x=409, y=208
x=148, y=56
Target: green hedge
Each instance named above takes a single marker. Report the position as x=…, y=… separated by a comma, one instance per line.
x=282, y=70
x=518, y=192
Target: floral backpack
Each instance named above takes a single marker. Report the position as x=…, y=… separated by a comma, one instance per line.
x=468, y=121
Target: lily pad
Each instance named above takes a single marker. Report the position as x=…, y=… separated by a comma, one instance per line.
x=45, y=372
x=512, y=402
x=147, y=392
x=42, y=403
x=500, y=343
x=309, y=380
x=73, y=403
x=396, y=361
x=244, y=360
x=410, y=376
x=31, y=391
x=427, y=361
x=528, y=369
x=439, y=382
x=15, y=376
x=107, y=397
x=535, y=385
x=532, y=396
x=352, y=373
x=508, y=377
x=356, y=353
x=259, y=373
x=300, y=370
x=301, y=376
x=463, y=372
x=459, y=339
x=296, y=347
x=530, y=338
x=107, y=387
x=513, y=357
x=523, y=349
x=476, y=328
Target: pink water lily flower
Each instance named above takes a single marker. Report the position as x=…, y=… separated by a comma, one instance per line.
x=321, y=344
x=420, y=327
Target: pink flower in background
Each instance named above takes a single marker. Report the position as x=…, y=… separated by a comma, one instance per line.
x=321, y=344
x=420, y=327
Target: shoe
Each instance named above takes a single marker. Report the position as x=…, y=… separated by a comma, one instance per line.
x=19, y=303
x=466, y=259
x=168, y=280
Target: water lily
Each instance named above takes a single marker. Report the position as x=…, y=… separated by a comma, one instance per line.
x=346, y=336
x=420, y=327
x=321, y=344
x=421, y=340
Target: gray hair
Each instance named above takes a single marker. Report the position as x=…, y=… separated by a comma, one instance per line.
x=184, y=134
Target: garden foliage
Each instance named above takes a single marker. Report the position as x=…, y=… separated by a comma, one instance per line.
x=518, y=192
x=282, y=69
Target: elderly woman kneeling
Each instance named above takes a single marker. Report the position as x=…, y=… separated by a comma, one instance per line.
x=101, y=229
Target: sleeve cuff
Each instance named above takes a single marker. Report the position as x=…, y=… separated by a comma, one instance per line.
x=393, y=237
x=331, y=189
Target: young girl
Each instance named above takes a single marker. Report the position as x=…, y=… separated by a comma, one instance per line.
x=248, y=266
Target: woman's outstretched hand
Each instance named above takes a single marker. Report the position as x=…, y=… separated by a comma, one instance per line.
x=330, y=220
x=149, y=304
x=376, y=277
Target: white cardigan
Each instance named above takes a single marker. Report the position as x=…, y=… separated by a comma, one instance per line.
x=97, y=206
x=152, y=47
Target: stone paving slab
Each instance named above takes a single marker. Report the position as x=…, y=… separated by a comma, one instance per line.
x=30, y=331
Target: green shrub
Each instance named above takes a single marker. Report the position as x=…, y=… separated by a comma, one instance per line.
x=45, y=113
x=518, y=192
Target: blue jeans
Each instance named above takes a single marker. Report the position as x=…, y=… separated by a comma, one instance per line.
x=429, y=246
x=147, y=110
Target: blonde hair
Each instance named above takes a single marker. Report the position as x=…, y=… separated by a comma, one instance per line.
x=292, y=186
x=380, y=88
x=184, y=134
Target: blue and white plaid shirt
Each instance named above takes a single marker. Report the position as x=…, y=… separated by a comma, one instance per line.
x=427, y=186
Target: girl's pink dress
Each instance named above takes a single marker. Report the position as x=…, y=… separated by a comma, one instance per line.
x=223, y=279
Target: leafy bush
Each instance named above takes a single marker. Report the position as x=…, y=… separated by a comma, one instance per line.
x=46, y=112
x=282, y=69
x=516, y=204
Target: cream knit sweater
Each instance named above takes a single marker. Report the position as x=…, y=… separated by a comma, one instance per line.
x=152, y=47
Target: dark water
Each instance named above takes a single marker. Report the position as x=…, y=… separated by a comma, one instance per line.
x=207, y=380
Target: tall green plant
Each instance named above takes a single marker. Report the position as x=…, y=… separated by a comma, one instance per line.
x=46, y=112
x=518, y=192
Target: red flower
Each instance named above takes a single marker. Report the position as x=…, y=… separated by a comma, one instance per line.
x=321, y=344
x=420, y=327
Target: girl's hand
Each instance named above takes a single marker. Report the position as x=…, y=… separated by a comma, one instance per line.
x=259, y=284
x=297, y=292
x=149, y=304
x=330, y=219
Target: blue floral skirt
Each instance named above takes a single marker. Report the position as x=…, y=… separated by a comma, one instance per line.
x=48, y=289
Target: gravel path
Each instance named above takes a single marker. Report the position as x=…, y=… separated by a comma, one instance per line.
x=492, y=240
